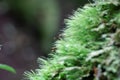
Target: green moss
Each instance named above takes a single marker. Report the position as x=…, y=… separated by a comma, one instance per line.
x=89, y=42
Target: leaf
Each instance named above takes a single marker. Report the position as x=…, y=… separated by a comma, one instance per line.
x=7, y=68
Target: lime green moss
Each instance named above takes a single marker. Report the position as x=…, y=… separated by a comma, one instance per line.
x=89, y=47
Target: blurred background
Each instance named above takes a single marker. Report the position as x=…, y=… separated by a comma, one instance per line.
x=28, y=29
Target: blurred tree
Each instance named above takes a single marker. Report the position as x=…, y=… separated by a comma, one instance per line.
x=38, y=17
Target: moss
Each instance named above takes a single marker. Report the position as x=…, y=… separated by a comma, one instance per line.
x=89, y=47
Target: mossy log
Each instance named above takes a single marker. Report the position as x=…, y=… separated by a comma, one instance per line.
x=88, y=48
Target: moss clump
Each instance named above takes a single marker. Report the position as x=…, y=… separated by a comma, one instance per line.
x=89, y=47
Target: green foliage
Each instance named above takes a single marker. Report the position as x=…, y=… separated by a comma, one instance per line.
x=89, y=47
x=7, y=68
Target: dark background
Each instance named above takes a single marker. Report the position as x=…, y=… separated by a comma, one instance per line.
x=28, y=29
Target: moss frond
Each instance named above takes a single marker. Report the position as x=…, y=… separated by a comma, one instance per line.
x=89, y=42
